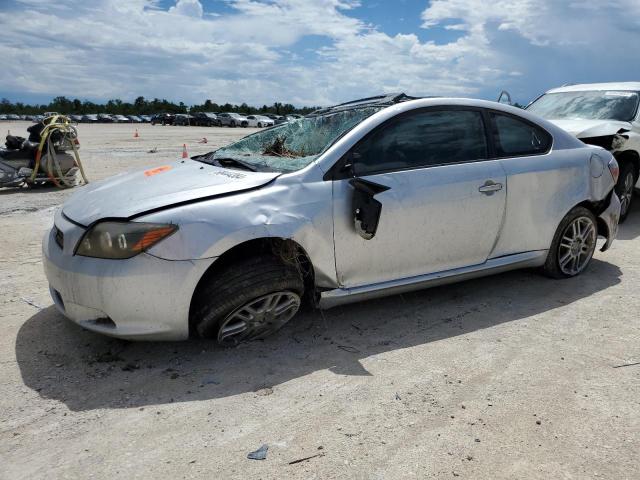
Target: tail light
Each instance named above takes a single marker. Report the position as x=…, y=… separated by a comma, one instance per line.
x=614, y=169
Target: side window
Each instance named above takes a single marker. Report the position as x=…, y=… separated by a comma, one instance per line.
x=513, y=137
x=422, y=139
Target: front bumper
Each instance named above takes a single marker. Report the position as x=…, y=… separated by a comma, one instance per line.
x=610, y=217
x=142, y=298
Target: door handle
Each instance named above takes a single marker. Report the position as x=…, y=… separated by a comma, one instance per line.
x=490, y=187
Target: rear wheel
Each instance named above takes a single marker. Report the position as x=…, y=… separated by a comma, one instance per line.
x=247, y=301
x=624, y=188
x=573, y=244
x=233, y=125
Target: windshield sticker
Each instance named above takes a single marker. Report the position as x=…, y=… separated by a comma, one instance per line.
x=155, y=171
x=619, y=94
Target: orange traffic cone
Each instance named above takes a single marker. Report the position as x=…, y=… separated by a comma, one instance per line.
x=184, y=151
x=136, y=135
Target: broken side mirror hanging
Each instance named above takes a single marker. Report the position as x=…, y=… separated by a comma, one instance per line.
x=366, y=209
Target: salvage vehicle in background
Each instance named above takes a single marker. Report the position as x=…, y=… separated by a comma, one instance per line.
x=602, y=114
x=182, y=119
x=369, y=198
x=259, y=121
x=105, y=118
x=163, y=119
x=205, y=119
x=232, y=120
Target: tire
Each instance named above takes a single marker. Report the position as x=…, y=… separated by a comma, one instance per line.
x=226, y=293
x=232, y=124
x=563, y=246
x=624, y=188
x=244, y=124
x=259, y=125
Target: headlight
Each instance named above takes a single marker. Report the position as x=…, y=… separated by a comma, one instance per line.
x=119, y=240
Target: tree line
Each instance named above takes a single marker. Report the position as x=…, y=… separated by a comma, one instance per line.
x=142, y=106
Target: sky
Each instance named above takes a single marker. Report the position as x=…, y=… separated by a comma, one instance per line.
x=311, y=52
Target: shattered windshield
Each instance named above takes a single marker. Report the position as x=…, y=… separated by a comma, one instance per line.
x=293, y=145
x=597, y=105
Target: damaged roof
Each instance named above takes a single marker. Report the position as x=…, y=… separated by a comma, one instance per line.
x=386, y=99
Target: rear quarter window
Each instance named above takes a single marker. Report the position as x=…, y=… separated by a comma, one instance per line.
x=514, y=137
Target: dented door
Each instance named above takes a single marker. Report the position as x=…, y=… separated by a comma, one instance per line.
x=431, y=220
x=440, y=201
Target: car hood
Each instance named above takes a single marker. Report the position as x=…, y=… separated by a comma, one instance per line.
x=129, y=194
x=591, y=128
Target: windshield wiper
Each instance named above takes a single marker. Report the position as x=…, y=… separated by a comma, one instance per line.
x=227, y=162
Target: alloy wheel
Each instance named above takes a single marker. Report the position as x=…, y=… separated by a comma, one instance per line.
x=258, y=318
x=577, y=245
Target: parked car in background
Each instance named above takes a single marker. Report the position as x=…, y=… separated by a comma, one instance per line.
x=163, y=119
x=90, y=118
x=50, y=114
x=75, y=118
x=145, y=118
x=12, y=116
x=105, y=118
x=205, y=119
x=285, y=119
x=134, y=118
x=230, y=243
x=602, y=114
x=259, y=121
x=3, y=117
x=120, y=119
x=183, y=119
x=232, y=120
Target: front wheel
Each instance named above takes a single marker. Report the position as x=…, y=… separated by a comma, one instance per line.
x=573, y=244
x=246, y=301
x=624, y=188
x=233, y=125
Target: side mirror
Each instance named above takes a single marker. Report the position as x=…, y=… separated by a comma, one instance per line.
x=366, y=209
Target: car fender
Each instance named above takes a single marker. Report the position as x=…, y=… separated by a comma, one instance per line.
x=295, y=210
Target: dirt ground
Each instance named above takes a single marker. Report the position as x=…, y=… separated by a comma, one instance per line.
x=512, y=376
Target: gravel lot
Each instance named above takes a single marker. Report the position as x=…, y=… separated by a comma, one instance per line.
x=513, y=376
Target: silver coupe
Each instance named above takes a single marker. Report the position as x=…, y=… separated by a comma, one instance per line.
x=369, y=198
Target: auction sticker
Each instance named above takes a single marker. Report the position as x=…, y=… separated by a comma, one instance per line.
x=155, y=171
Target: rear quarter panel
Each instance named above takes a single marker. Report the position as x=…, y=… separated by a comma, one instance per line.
x=541, y=190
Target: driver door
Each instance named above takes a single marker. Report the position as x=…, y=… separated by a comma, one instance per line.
x=441, y=201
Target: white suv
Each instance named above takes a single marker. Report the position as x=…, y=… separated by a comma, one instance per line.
x=602, y=114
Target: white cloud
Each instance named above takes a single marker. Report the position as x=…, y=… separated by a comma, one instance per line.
x=190, y=8
x=110, y=48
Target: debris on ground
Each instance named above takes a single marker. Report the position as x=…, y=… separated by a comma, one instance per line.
x=300, y=460
x=259, y=454
x=349, y=349
x=210, y=381
x=153, y=150
x=31, y=302
x=398, y=396
x=626, y=365
x=263, y=392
